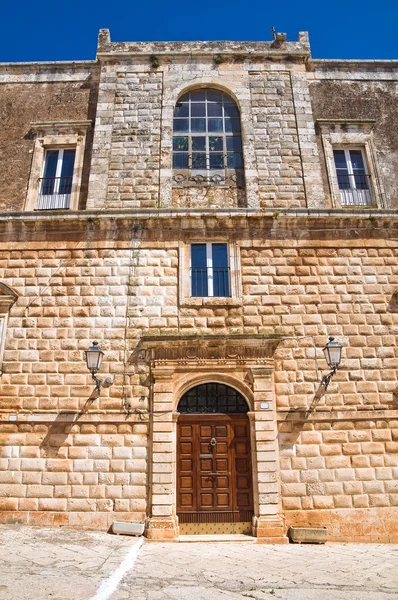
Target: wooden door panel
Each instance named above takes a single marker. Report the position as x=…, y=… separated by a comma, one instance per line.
x=223, y=501
x=222, y=482
x=206, y=482
x=186, y=448
x=205, y=431
x=206, y=465
x=186, y=431
x=221, y=464
x=220, y=431
x=206, y=500
x=186, y=482
x=186, y=501
x=213, y=478
x=186, y=464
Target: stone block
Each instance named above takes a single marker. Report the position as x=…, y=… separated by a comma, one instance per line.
x=308, y=535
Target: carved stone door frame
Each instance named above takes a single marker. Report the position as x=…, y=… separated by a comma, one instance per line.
x=246, y=366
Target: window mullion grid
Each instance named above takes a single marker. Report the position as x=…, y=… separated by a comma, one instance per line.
x=351, y=178
x=209, y=264
x=207, y=143
x=224, y=141
x=58, y=170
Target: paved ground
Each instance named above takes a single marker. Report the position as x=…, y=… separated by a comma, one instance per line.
x=62, y=564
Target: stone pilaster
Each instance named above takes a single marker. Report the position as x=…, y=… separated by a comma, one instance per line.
x=267, y=520
x=310, y=161
x=163, y=522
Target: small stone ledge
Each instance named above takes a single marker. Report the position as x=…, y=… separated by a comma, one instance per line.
x=308, y=535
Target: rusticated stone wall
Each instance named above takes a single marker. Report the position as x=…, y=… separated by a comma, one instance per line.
x=73, y=457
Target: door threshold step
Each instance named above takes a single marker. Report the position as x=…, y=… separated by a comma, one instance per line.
x=226, y=537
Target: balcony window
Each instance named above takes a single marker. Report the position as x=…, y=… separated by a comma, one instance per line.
x=352, y=177
x=210, y=274
x=55, y=187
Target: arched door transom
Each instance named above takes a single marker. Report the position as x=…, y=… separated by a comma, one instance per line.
x=209, y=398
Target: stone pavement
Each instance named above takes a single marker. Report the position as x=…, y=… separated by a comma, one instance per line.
x=64, y=564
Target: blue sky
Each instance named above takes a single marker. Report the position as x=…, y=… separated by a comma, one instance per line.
x=45, y=30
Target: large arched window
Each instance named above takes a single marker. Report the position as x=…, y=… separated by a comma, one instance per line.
x=207, y=135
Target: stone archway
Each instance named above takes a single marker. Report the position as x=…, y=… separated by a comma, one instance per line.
x=246, y=365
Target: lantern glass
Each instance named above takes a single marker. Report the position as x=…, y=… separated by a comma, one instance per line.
x=332, y=352
x=94, y=357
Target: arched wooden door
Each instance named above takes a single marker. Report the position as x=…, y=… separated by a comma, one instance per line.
x=214, y=479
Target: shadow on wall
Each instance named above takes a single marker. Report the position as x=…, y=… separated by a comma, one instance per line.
x=58, y=432
x=392, y=306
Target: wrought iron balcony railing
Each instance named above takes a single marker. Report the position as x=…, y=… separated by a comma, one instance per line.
x=210, y=281
x=355, y=190
x=54, y=193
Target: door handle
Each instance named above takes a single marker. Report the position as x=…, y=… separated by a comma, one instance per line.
x=213, y=442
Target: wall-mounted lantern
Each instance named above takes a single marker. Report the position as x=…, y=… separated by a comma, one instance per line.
x=332, y=352
x=94, y=356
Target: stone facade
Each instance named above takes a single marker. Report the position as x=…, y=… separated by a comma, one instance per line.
x=115, y=268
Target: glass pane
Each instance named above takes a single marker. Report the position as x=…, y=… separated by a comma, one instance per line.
x=214, y=96
x=181, y=110
x=214, y=110
x=68, y=163
x=234, y=160
x=198, y=161
x=220, y=270
x=339, y=159
x=234, y=143
x=180, y=160
x=199, y=143
x=198, y=124
x=180, y=143
x=50, y=167
x=232, y=125
x=357, y=160
x=181, y=124
x=198, y=110
x=215, y=143
x=215, y=125
x=219, y=255
x=199, y=285
x=216, y=161
x=198, y=255
x=361, y=181
x=184, y=98
x=198, y=96
x=231, y=110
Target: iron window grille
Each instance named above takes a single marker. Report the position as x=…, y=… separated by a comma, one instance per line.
x=212, y=398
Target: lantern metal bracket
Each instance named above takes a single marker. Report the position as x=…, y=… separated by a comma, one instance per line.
x=326, y=378
x=98, y=382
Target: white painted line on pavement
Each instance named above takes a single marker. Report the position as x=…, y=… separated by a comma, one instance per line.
x=108, y=586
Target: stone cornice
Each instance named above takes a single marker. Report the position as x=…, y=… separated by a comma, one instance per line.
x=120, y=227
x=196, y=349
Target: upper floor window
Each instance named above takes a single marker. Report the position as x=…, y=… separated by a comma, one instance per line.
x=207, y=134
x=55, y=187
x=210, y=275
x=57, y=165
x=352, y=177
